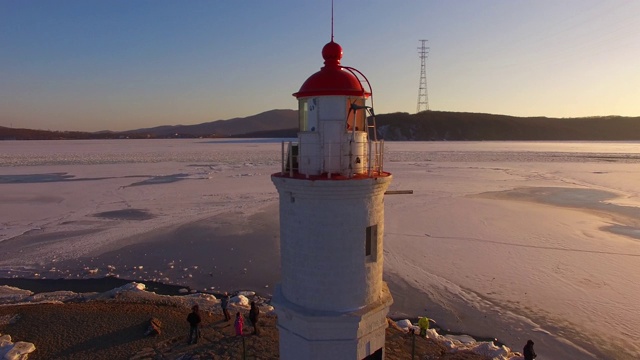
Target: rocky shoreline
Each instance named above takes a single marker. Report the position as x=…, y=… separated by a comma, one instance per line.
x=111, y=324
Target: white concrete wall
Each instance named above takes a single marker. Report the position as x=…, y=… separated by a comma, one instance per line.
x=306, y=334
x=333, y=108
x=332, y=145
x=322, y=241
x=332, y=122
x=309, y=160
x=294, y=347
x=355, y=156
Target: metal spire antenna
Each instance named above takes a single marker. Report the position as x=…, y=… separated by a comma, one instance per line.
x=331, y=20
x=423, y=99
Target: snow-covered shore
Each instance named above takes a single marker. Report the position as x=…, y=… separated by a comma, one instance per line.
x=509, y=240
x=137, y=293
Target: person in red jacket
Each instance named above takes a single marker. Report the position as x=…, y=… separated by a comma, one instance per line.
x=239, y=324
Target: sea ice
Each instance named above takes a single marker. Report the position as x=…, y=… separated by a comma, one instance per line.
x=499, y=239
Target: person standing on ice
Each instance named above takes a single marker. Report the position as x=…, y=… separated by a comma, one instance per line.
x=224, y=303
x=239, y=324
x=194, y=321
x=423, y=323
x=253, y=316
x=528, y=352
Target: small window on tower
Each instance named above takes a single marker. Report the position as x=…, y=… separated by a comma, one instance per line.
x=371, y=243
x=303, y=109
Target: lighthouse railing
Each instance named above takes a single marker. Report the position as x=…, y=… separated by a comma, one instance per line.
x=376, y=157
x=369, y=168
x=289, y=157
x=282, y=160
x=336, y=159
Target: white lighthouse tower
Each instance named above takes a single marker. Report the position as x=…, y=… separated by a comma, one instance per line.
x=332, y=302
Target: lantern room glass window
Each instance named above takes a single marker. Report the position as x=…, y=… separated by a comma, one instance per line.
x=308, y=114
x=303, y=117
x=356, y=113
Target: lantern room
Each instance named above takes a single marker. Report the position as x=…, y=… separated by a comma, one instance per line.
x=337, y=135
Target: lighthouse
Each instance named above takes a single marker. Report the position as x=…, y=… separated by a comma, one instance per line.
x=331, y=302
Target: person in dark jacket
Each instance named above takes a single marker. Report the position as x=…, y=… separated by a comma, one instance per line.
x=194, y=321
x=528, y=352
x=224, y=303
x=254, y=313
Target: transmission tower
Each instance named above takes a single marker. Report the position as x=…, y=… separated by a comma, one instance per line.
x=423, y=99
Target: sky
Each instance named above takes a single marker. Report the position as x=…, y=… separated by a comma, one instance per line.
x=91, y=65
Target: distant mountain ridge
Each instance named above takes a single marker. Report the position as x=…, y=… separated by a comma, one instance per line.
x=266, y=121
x=424, y=126
x=443, y=125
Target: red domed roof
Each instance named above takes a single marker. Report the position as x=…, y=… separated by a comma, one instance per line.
x=332, y=79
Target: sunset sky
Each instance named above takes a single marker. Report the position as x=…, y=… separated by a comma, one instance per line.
x=121, y=64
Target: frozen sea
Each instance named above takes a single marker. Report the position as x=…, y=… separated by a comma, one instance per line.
x=512, y=240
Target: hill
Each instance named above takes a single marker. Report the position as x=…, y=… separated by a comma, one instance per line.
x=442, y=125
x=272, y=120
x=278, y=121
x=424, y=126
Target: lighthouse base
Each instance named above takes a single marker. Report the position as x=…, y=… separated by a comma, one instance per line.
x=311, y=334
